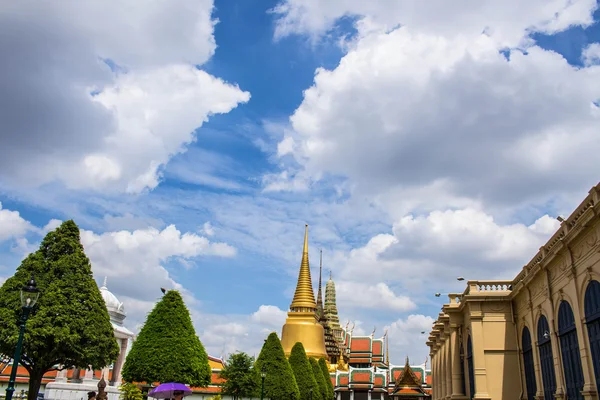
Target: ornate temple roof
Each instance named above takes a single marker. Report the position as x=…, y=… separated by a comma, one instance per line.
x=408, y=385
x=304, y=297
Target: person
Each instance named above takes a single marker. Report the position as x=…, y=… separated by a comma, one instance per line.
x=92, y=395
x=177, y=395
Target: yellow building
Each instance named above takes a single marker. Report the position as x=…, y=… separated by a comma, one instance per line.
x=536, y=336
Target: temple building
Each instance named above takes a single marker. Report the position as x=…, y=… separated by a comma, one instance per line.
x=359, y=366
x=536, y=336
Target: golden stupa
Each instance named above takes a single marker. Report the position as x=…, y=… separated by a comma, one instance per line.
x=301, y=324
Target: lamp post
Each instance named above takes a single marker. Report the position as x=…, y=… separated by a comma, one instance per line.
x=310, y=391
x=263, y=375
x=29, y=296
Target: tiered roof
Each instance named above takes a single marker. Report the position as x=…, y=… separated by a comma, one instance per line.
x=408, y=386
x=331, y=344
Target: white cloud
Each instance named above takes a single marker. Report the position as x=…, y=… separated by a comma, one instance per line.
x=591, y=54
x=12, y=225
x=270, y=316
x=371, y=296
x=140, y=115
x=406, y=339
x=208, y=229
x=51, y=225
x=141, y=255
x=497, y=19
x=449, y=113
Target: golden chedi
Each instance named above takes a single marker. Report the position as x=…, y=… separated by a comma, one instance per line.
x=301, y=324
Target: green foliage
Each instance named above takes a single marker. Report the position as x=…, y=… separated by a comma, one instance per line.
x=327, y=378
x=280, y=383
x=167, y=348
x=69, y=325
x=130, y=391
x=319, y=378
x=303, y=372
x=241, y=378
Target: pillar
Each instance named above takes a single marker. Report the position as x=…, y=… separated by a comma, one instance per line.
x=441, y=352
x=481, y=391
x=448, y=362
x=589, y=387
x=352, y=394
x=338, y=395
x=457, y=378
x=116, y=375
x=369, y=395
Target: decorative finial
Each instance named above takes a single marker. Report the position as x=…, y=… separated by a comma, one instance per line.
x=330, y=277
x=407, y=362
x=373, y=333
x=105, y=279
x=319, y=292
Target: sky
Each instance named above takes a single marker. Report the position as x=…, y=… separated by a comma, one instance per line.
x=192, y=140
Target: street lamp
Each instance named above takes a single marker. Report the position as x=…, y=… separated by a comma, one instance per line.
x=29, y=296
x=310, y=391
x=263, y=375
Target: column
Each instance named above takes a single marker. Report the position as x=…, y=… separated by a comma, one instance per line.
x=116, y=374
x=433, y=374
x=478, y=356
x=436, y=378
x=369, y=395
x=352, y=394
x=338, y=395
x=441, y=352
x=457, y=378
x=589, y=388
x=448, y=359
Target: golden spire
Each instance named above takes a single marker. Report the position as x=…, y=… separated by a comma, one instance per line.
x=304, y=297
x=319, y=292
x=387, y=349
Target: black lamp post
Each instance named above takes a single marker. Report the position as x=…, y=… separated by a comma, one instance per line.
x=29, y=296
x=263, y=375
x=310, y=391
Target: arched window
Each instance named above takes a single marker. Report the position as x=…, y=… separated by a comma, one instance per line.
x=528, y=363
x=546, y=358
x=592, y=320
x=569, y=346
x=470, y=367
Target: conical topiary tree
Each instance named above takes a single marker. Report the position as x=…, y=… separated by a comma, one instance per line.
x=328, y=383
x=319, y=378
x=304, y=374
x=69, y=326
x=167, y=348
x=280, y=383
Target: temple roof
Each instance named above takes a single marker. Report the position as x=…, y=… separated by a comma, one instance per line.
x=304, y=297
x=115, y=308
x=408, y=385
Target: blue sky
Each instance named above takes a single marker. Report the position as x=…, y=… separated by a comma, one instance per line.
x=414, y=150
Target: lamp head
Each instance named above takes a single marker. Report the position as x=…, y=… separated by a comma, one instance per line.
x=29, y=294
x=263, y=372
x=438, y=294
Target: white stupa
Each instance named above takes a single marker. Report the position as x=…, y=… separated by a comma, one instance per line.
x=61, y=389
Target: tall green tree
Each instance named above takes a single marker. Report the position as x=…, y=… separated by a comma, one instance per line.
x=307, y=383
x=241, y=378
x=280, y=383
x=69, y=326
x=319, y=378
x=328, y=383
x=167, y=348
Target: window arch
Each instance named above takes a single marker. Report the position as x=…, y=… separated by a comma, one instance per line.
x=546, y=357
x=528, y=363
x=592, y=320
x=470, y=367
x=569, y=346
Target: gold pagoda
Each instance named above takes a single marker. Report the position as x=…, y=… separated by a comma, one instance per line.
x=302, y=323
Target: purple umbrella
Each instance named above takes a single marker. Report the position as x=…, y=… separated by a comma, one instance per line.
x=169, y=390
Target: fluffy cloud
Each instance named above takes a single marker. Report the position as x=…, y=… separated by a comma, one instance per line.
x=270, y=315
x=424, y=254
x=406, y=339
x=371, y=296
x=12, y=224
x=141, y=255
x=591, y=54
x=496, y=19
x=406, y=110
x=134, y=118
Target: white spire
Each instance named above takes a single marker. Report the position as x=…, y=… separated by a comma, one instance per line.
x=104, y=284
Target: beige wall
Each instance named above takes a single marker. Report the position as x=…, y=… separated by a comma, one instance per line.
x=494, y=313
